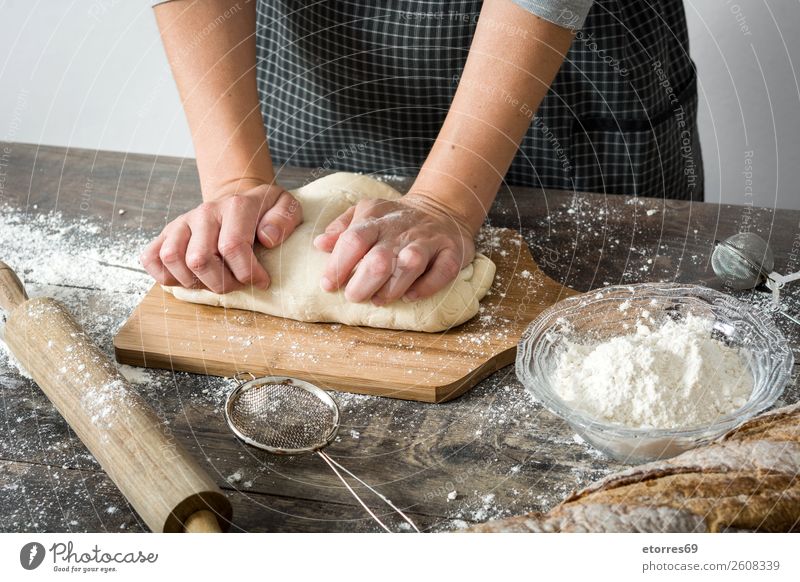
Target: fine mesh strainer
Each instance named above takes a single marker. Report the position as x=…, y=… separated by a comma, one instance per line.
x=744, y=261
x=287, y=416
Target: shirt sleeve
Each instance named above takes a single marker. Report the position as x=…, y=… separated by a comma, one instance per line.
x=567, y=13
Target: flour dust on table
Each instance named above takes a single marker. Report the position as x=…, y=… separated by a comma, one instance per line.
x=296, y=268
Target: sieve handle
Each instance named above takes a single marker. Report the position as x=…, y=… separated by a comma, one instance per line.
x=334, y=464
x=775, y=282
x=783, y=279
x=328, y=460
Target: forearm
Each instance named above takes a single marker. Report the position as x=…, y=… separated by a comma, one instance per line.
x=210, y=46
x=513, y=59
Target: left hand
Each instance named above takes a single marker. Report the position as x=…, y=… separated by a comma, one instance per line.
x=408, y=247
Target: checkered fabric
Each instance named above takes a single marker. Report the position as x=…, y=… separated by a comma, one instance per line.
x=365, y=86
x=353, y=85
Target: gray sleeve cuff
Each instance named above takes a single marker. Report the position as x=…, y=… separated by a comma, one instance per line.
x=154, y=3
x=567, y=13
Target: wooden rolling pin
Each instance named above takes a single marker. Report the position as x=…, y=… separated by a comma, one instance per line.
x=155, y=473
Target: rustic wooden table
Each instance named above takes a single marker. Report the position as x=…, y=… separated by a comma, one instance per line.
x=73, y=222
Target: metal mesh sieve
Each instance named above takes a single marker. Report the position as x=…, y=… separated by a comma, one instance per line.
x=286, y=418
x=743, y=260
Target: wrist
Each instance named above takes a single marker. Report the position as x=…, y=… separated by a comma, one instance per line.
x=466, y=217
x=236, y=186
x=238, y=168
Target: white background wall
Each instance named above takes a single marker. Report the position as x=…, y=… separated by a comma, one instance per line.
x=92, y=74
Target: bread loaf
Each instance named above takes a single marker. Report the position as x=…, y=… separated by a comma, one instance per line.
x=749, y=480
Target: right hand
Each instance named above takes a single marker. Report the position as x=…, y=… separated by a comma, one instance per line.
x=211, y=246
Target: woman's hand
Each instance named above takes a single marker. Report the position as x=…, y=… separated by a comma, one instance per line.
x=408, y=247
x=212, y=246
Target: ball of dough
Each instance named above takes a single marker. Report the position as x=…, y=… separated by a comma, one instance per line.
x=296, y=267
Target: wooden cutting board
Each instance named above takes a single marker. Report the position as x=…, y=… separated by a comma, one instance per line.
x=164, y=332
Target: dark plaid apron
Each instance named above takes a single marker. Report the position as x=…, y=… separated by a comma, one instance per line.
x=365, y=86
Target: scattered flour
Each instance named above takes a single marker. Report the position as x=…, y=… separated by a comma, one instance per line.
x=8, y=360
x=106, y=403
x=671, y=376
x=234, y=477
x=135, y=375
x=48, y=250
x=486, y=510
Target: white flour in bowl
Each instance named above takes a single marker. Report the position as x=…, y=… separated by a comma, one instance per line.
x=674, y=375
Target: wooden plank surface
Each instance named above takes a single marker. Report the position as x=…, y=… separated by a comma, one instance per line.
x=500, y=452
x=164, y=332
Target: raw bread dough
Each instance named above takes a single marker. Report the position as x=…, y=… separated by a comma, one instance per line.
x=296, y=267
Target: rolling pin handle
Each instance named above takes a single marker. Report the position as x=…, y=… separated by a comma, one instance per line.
x=12, y=291
x=202, y=521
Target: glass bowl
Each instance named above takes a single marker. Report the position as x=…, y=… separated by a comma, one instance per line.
x=597, y=315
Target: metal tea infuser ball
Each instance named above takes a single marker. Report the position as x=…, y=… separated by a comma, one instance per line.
x=744, y=261
x=287, y=416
